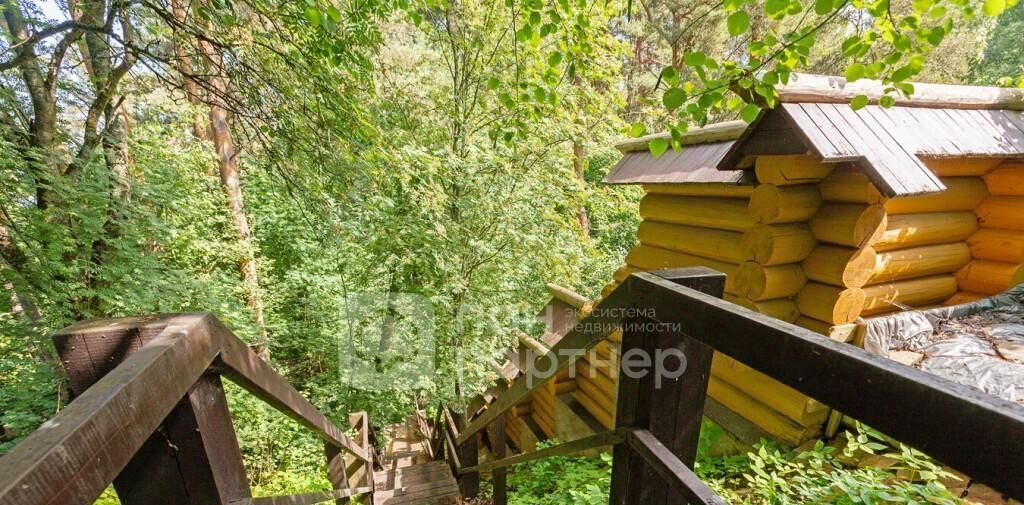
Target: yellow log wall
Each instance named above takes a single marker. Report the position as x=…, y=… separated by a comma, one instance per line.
x=849, y=184
x=847, y=224
x=645, y=257
x=998, y=247
x=790, y=170
x=778, y=244
x=893, y=296
x=771, y=204
x=962, y=193
x=831, y=304
x=919, y=262
x=1007, y=180
x=820, y=246
x=701, y=189
x=765, y=231
x=704, y=212
x=912, y=230
x=719, y=245
x=840, y=266
x=758, y=283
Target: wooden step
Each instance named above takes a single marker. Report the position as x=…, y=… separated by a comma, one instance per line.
x=409, y=478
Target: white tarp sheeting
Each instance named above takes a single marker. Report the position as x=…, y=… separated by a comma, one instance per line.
x=977, y=344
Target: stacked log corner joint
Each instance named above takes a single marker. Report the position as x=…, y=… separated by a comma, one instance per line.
x=818, y=245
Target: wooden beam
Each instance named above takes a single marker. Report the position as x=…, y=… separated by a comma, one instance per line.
x=602, y=322
x=469, y=481
x=670, y=406
x=922, y=410
x=243, y=367
x=89, y=443
x=718, y=132
x=810, y=88
x=532, y=343
x=567, y=295
x=612, y=437
x=671, y=469
x=305, y=498
x=74, y=456
x=499, y=481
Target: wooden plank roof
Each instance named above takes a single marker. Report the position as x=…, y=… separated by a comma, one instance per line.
x=890, y=142
x=698, y=161
x=938, y=121
x=836, y=132
x=697, y=164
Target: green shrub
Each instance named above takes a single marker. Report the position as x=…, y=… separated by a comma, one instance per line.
x=561, y=479
x=767, y=475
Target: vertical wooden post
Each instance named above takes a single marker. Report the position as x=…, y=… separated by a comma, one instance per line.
x=336, y=467
x=499, y=483
x=670, y=406
x=361, y=421
x=194, y=456
x=469, y=483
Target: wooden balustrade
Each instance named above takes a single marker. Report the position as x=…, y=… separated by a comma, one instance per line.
x=658, y=425
x=150, y=416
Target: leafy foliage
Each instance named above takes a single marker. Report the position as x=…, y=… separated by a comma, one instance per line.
x=824, y=474
x=448, y=149
x=1002, y=62
x=766, y=475
x=561, y=479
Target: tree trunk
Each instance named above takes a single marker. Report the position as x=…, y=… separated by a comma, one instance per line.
x=230, y=179
x=183, y=62
x=579, y=165
x=15, y=258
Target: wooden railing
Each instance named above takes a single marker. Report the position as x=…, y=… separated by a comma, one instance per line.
x=150, y=416
x=657, y=428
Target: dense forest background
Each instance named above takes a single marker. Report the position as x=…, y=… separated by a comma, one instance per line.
x=273, y=161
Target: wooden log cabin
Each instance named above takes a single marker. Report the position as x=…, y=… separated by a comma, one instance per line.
x=821, y=214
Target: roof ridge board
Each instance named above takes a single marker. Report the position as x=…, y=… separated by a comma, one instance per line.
x=815, y=88
x=712, y=133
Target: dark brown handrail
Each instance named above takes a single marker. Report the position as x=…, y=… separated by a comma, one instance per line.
x=925, y=411
x=73, y=457
x=571, y=447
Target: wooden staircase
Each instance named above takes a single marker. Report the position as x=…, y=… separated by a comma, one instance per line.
x=409, y=476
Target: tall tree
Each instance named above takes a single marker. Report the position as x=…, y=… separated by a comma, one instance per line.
x=231, y=181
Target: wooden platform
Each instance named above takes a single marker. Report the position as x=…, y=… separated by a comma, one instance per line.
x=409, y=476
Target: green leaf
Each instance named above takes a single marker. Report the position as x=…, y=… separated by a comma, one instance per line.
x=658, y=146
x=313, y=16
x=674, y=98
x=775, y=7
x=858, y=102
x=886, y=101
x=695, y=59
x=637, y=130
x=994, y=7
x=554, y=59
x=493, y=83
x=855, y=71
x=669, y=75
x=822, y=7
x=750, y=112
x=922, y=6
x=903, y=73
x=334, y=14
x=738, y=23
